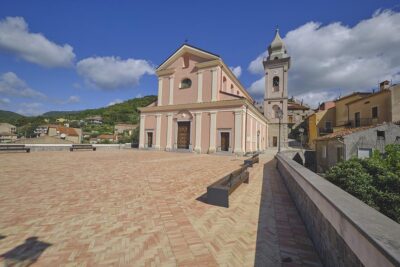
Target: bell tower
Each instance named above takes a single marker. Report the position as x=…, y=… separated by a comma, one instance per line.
x=276, y=67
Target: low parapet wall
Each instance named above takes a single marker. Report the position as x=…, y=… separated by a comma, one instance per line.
x=66, y=147
x=345, y=231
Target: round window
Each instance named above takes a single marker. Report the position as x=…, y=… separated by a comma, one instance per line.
x=186, y=83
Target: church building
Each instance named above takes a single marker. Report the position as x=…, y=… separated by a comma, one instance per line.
x=202, y=107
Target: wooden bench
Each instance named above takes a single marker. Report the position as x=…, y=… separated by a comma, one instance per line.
x=82, y=146
x=218, y=192
x=252, y=160
x=14, y=147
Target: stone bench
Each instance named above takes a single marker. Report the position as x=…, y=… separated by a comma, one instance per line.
x=218, y=192
x=82, y=146
x=250, y=161
x=14, y=147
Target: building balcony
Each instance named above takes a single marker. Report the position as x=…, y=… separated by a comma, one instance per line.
x=325, y=131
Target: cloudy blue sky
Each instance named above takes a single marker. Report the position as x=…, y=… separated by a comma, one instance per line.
x=72, y=55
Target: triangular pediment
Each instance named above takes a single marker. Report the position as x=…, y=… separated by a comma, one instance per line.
x=186, y=49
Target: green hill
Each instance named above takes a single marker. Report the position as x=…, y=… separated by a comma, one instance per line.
x=126, y=112
x=9, y=116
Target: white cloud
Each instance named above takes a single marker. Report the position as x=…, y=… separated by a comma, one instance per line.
x=113, y=72
x=314, y=98
x=4, y=101
x=33, y=47
x=326, y=58
x=73, y=99
x=12, y=85
x=115, y=101
x=237, y=71
x=257, y=88
x=30, y=109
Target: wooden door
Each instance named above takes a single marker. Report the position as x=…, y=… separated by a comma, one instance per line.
x=149, y=139
x=225, y=141
x=274, y=141
x=183, y=135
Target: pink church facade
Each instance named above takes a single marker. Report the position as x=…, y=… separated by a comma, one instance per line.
x=201, y=107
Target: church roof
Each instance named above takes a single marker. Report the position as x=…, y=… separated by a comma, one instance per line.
x=184, y=49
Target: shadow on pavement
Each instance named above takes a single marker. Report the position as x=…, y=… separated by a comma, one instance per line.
x=25, y=254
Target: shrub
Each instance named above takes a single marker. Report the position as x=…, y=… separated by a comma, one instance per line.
x=375, y=180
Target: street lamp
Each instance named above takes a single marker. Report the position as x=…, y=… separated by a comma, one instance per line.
x=280, y=116
x=301, y=131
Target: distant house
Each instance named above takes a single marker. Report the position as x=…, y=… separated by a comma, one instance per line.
x=107, y=137
x=7, y=128
x=297, y=113
x=376, y=108
x=7, y=133
x=42, y=130
x=62, y=132
x=354, y=142
x=321, y=122
x=7, y=137
x=94, y=120
x=122, y=128
x=61, y=120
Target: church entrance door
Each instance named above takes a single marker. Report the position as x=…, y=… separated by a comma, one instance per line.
x=183, y=135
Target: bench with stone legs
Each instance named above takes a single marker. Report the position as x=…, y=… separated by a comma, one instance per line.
x=14, y=147
x=250, y=161
x=82, y=146
x=218, y=192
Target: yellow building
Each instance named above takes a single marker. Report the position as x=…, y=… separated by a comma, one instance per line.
x=342, y=113
x=321, y=123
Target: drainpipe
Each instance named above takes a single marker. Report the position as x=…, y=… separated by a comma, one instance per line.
x=245, y=132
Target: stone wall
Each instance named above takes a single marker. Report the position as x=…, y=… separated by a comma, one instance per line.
x=345, y=231
x=66, y=147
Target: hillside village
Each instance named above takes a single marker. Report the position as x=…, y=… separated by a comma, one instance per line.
x=114, y=124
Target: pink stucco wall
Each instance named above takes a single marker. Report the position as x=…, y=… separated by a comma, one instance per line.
x=164, y=123
x=150, y=122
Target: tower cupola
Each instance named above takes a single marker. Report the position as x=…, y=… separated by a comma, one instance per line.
x=276, y=49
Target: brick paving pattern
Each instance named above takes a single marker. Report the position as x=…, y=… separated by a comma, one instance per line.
x=139, y=208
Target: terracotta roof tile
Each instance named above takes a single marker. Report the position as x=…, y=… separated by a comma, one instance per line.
x=344, y=132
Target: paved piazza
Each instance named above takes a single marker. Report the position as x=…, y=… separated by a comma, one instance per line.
x=141, y=208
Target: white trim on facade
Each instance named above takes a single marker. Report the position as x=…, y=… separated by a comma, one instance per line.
x=213, y=127
x=160, y=91
x=198, y=119
x=141, y=134
x=238, y=131
x=169, y=131
x=158, y=132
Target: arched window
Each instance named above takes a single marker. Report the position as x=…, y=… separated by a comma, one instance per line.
x=224, y=84
x=275, y=83
x=185, y=83
x=232, y=89
x=276, y=110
